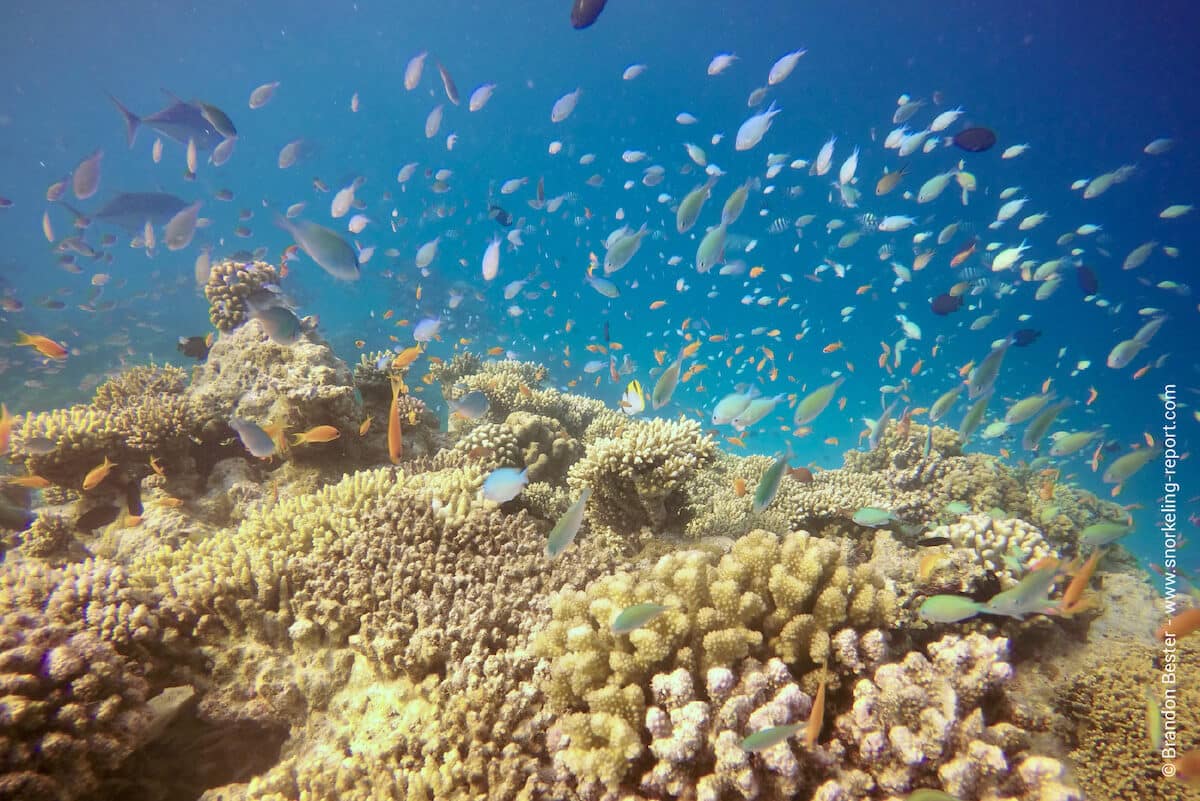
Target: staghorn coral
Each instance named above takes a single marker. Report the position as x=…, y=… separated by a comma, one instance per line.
x=638, y=478
x=768, y=597
x=1104, y=703
x=924, y=722
x=230, y=283
x=989, y=541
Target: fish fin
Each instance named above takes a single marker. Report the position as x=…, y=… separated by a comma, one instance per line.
x=132, y=121
x=176, y=98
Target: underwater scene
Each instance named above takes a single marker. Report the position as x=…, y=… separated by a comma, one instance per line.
x=571, y=400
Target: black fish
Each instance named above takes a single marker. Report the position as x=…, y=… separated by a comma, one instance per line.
x=500, y=215
x=133, y=497
x=1086, y=277
x=930, y=542
x=14, y=516
x=96, y=517
x=131, y=210
x=584, y=12
x=179, y=121
x=1025, y=336
x=945, y=304
x=975, y=140
x=194, y=347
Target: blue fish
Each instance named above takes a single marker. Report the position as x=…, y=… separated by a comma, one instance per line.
x=131, y=210
x=257, y=441
x=179, y=121
x=504, y=484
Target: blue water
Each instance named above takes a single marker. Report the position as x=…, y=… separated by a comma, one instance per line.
x=1086, y=84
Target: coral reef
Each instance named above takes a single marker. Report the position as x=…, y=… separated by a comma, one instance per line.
x=302, y=385
x=924, y=722
x=143, y=412
x=990, y=541
x=230, y=283
x=637, y=478
x=768, y=597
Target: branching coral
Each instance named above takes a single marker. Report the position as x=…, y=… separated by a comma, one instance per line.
x=638, y=478
x=230, y=283
x=990, y=541
x=768, y=597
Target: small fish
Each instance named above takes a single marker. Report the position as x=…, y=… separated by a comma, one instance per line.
x=1097, y=535
x=316, y=434
x=263, y=94
x=567, y=527
x=768, y=485
x=816, y=717
x=1181, y=625
x=664, y=388
x=767, y=738
x=98, y=474
x=927, y=794
x=394, y=433
x=43, y=345
x=633, y=401
x=816, y=402
x=470, y=406
x=505, y=483
x=872, y=517
x=254, y=438
x=96, y=517
x=949, y=608
x=634, y=617
x=324, y=246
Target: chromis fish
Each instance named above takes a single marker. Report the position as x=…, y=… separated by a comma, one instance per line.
x=636, y=616
x=949, y=608
x=664, y=388
x=1024, y=409
x=470, y=406
x=622, y=250
x=873, y=517
x=974, y=417
x=769, y=737
x=816, y=402
x=505, y=483
x=564, y=531
x=257, y=440
x=732, y=405
x=755, y=410
x=690, y=206
x=1097, y=535
x=879, y=427
x=768, y=485
x=711, y=249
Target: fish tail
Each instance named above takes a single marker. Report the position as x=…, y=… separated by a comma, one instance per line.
x=132, y=121
x=24, y=339
x=297, y=439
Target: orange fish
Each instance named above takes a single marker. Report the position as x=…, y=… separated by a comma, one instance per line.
x=862, y=290
x=966, y=368
x=842, y=404
x=816, y=717
x=596, y=348
x=1141, y=372
x=43, y=345
x=659, y=355
x=757, y=270
x=1071, y=596
x=1092, y=395
x=360, y=343
x=965, y=253
x=365, y=427
x=30, y=482
x=156, y=466
x=169, y=502
x=658, y=304
x=407, y=356
x=922, y=261
x=316, y=434
x=691, y=348
x=1149, y=439
x=929, y=563
x=739, y=487
x=387, y=315
x=496, y=351
x=916, y=368
x=6, y=424
x=741, y=443
x=98, y=474
x=395, y=439
x=1181, y=625
x=831, y=440
x=1187, y=766
x=716, y=338
x=832, y=346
